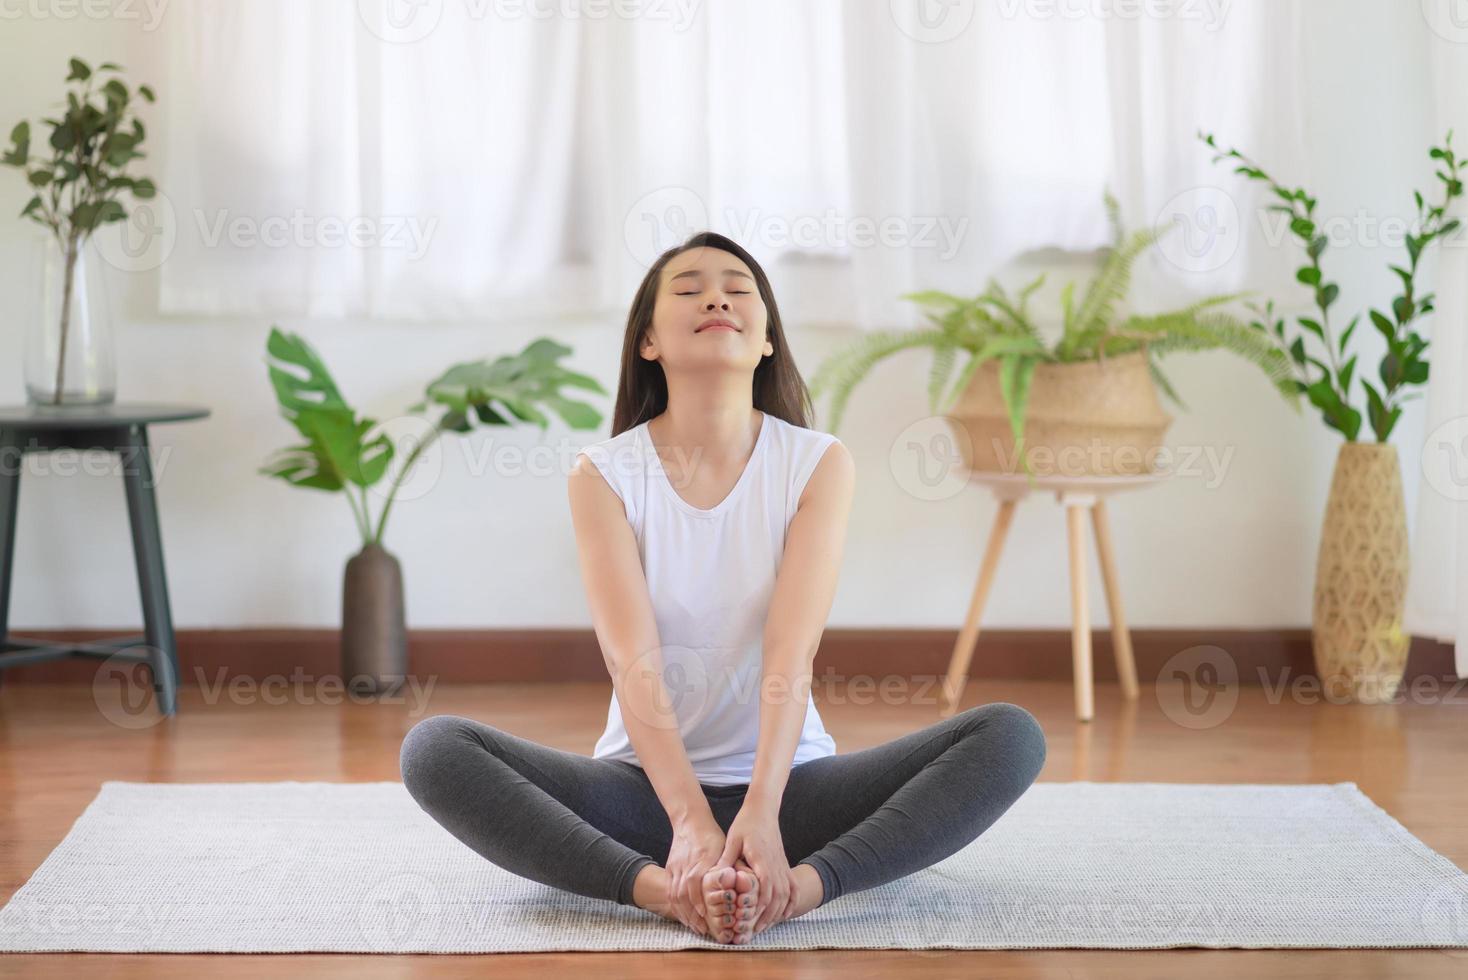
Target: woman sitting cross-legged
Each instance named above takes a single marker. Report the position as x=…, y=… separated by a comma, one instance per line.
x=710, y=529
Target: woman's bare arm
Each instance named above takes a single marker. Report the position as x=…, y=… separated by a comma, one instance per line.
x=621, y=611
x=804, y=589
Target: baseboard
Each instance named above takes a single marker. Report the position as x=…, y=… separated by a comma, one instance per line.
x=560, y=655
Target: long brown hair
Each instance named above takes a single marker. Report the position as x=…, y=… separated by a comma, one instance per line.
x=642, y=390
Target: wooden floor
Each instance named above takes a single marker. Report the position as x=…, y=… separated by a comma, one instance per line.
x=56, y=748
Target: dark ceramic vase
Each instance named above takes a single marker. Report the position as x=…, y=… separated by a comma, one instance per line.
x=374, y=641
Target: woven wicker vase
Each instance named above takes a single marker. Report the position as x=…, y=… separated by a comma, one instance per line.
x=1361, y=577
x=1086, y=418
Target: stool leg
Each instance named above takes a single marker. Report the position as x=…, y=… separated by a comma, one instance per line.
x=10, y=466
x=1080, y=636
x=1121, y=636
x=142, y=510
x=963, y=649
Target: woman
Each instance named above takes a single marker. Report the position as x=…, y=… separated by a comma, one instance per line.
x=709, y=529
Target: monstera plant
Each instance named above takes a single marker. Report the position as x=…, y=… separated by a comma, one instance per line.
x=347, y=453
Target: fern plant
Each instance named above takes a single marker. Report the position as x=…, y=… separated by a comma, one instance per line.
x=997, y=325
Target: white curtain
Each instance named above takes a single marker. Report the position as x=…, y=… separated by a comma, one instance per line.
x=1437, y=594
x=443, y=159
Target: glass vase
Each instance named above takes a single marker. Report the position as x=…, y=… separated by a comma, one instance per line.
x=69, y=356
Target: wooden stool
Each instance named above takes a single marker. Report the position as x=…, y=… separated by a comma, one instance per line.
x=1077, y=494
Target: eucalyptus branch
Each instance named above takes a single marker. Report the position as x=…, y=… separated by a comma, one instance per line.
x=1300, y=207
x=1275, y=332
x=1403, y=363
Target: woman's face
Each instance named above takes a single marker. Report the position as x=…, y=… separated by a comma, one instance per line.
x=708, y=313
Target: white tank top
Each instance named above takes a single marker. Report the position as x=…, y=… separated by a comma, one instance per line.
x=710, y=575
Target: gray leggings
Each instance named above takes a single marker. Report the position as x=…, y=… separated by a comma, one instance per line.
x=588, y=826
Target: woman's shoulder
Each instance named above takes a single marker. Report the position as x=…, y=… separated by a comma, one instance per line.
x=620, y=461
x=617, y=457
x=803, y=450
x=801, y=440
x=626, y=437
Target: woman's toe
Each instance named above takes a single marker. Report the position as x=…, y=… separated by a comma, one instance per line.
x=719, y=879
x=718, y=888
x=746, y=883
x=718, y=898
x=718, y=901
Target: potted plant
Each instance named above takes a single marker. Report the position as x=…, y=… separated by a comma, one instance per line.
x=80, y=181
x=1361, y=568
x=1089, y=398
x=347, y=453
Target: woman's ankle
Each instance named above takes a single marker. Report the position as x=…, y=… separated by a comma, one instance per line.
x=812, y=889
x=650, y=888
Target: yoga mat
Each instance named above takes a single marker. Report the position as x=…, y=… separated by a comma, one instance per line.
x=358, y=867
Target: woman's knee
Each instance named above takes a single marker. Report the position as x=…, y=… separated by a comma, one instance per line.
x=1018, y=733
x=428, y=746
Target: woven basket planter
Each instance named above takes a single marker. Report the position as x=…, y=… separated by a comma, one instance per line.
x=1361, y=577
x=1084, y=418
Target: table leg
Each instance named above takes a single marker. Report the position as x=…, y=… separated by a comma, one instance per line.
x=1080, y=635
x=963, y=649
x=1121, y=635
x=10, y=466
x=142, y=509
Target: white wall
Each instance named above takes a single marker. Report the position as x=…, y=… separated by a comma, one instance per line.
x=496, y=550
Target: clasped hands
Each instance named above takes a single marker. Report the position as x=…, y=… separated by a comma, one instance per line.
x=707, y=900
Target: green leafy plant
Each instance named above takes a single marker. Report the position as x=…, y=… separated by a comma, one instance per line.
x=1328, y=382
x=997, y=325
x=346, y=452
x=80, y=176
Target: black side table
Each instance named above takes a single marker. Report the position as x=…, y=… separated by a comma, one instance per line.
x=118, y=428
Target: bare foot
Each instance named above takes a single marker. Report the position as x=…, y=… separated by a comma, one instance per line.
x=809, y=892
x=650, y=891
x=729, y=895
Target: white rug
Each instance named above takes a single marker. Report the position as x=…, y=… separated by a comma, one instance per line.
x=358, y=867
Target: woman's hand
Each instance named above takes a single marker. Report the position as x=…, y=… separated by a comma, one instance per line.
x=697, y=844
x=754, y=837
